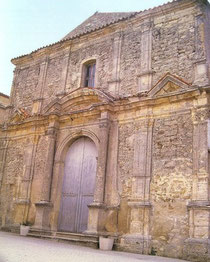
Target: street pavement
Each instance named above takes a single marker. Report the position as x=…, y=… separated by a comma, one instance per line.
x=15, y=248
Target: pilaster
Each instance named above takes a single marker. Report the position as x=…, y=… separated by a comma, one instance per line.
x=139, y=203
x=65, y=70
x=114, y=83
x=199, y=206
x=145, y=75
x=15, y=77
x=43, y=207
x=104, y=127
x=201, y=73
x=37, y=103
x=111, y=190
x=24, y=194
x=3, y=151
x=97, y=208
x=57, y=183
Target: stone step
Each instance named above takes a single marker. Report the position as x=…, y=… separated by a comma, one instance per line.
x=73, y=238
x=77, y=236
x=39, y=232
x=40, y=236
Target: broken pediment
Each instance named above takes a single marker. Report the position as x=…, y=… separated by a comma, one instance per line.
x=79, y=100
x=169, y=85
x=19, y=115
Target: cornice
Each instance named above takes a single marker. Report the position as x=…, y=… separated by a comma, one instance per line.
x=124, y=105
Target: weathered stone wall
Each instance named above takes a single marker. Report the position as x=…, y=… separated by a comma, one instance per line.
x=99, y=49
x=171, y=185
x=3, y=114
x=130, y=60
x=125, y=172
x=176, y=39
x=39, y=169
x=13, y=171
x=52, y=85
x=126, y=154
x=25, y=87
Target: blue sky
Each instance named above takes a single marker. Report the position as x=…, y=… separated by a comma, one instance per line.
x=26, y=25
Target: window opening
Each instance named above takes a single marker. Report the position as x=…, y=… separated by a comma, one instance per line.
x=90, y=75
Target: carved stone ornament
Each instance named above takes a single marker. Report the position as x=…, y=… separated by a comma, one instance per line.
x=19, y=115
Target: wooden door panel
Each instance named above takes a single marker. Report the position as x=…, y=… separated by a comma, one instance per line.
x=87, y=181
x=85, y=201
x=89, y=167
x=71, y=186
x=88, y=176
x=78, y=185
x=73, y=165
x=68, y=211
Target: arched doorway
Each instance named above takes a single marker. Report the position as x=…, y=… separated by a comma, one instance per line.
x=78, y=185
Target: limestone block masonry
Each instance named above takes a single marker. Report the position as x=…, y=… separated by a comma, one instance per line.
x=147, y=117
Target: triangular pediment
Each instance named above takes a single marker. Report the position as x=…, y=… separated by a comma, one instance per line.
x=169, y=85
x=79, y=100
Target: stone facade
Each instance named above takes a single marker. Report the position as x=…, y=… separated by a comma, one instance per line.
x=148, y=116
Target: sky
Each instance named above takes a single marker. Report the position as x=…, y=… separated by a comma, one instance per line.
x=26, y=25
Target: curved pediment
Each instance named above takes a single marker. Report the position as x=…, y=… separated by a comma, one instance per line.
x=169, y=85
x=79, y=100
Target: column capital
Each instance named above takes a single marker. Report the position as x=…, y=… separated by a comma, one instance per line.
x=44, y=203
x=104, y=121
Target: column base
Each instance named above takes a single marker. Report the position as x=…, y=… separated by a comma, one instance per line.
x=196, y=249
x=97, y=217
x=42, y=219
x=135, y=243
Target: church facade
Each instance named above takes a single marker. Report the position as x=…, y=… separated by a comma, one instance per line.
x=107, y=132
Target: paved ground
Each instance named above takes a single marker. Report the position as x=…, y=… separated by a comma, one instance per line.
x=15, y=248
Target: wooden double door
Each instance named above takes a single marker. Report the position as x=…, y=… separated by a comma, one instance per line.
x=78, y=185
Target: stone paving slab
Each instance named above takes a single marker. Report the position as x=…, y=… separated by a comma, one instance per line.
x=15, y=248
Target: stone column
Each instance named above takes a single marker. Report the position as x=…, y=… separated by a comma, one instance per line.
x=96, y=209
x=43, y=207
x=139, y=203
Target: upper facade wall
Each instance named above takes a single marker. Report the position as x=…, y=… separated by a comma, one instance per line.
x=131, y=57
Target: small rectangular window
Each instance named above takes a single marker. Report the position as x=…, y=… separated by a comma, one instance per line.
x=90, y=75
